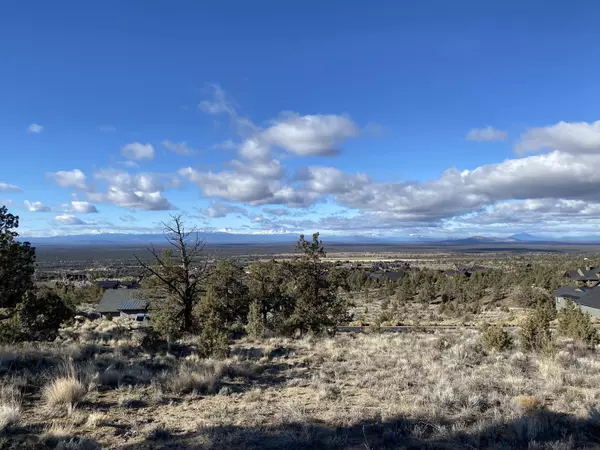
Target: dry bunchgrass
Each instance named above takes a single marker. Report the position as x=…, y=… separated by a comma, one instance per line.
x=10, y=406
x=64, y=391
x=193, y=378
x=418, y=389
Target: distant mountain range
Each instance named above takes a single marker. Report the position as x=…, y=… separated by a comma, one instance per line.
x=211, y=238
x=224, y=238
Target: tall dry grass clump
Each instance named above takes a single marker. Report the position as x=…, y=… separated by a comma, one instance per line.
x=65, y=390
x=196, y=378
x=10, y=406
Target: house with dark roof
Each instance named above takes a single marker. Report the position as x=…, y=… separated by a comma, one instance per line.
x=107, y=284
x=465, y=271
x=587, y=298
x=588, y=275
x=385, y=277
x=122, y=303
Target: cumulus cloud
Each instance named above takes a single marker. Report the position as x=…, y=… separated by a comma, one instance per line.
x=486, y=134
x=257, y=177
x=180, y=148
x=138, y=152
x=75, y=179
x=575, y=138
x=135, y=191
x=233, y=186
x=218, y=209
x=36, y=206
x=276, y=211
x=311, y=135
x=558, y=179
x=66, y=219
x=35, y=128
x=5, y=187
x=82, y=207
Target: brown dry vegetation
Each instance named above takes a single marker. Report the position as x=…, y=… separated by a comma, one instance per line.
x=409, y=390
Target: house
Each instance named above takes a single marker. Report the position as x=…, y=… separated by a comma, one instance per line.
x=465, y=271
x=107, y=284
x=385, y=277
x=588, y=275
x=129, y=284
x=587, y=298
x=122, y=303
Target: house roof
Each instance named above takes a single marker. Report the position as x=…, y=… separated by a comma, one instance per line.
x=584, y=274
x=570, y=292
x=128, y=305
x=115, y=300
x=391, y=276
x=130, y=284
x=108, y=284
x=591, y=299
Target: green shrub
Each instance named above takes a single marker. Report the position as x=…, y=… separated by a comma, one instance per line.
x=214, y=337
x=37, y=318
x=256, y=324
x=495, y=338
x=535, y=334
x=575, y=324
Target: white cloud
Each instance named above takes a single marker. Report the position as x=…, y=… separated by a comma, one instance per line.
x=233, y=186
x=138, y=151
x=70, y=179
x=218, y=209
x=36, y=206
x=66, y=219
x=128, y=164
x=5, y=187
x=225, y=145
x=82, y=207
x=35, y=128
x=180, y=148
x=311, y=135
x=276, y=211
x=149, y=201
x=486, y=134
x=575, y=138
x=220, y=104
x=135, y=191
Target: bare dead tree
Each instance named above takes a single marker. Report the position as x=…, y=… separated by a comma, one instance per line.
x=181, y=270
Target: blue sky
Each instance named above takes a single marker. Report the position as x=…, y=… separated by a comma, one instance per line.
x=427, y=118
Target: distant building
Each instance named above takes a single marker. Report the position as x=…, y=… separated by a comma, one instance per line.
x=588, y=275
x=587, y=298
x=385, y=277
x=129, y=284
x=107, y=284
x=465, y=271
x=122, y=303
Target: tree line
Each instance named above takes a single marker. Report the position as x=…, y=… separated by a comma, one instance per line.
x=289, y=298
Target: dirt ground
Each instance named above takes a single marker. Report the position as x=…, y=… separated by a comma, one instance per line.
x=410, y=390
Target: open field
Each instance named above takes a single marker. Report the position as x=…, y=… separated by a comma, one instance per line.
x=411, y=390
x=335, y=250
